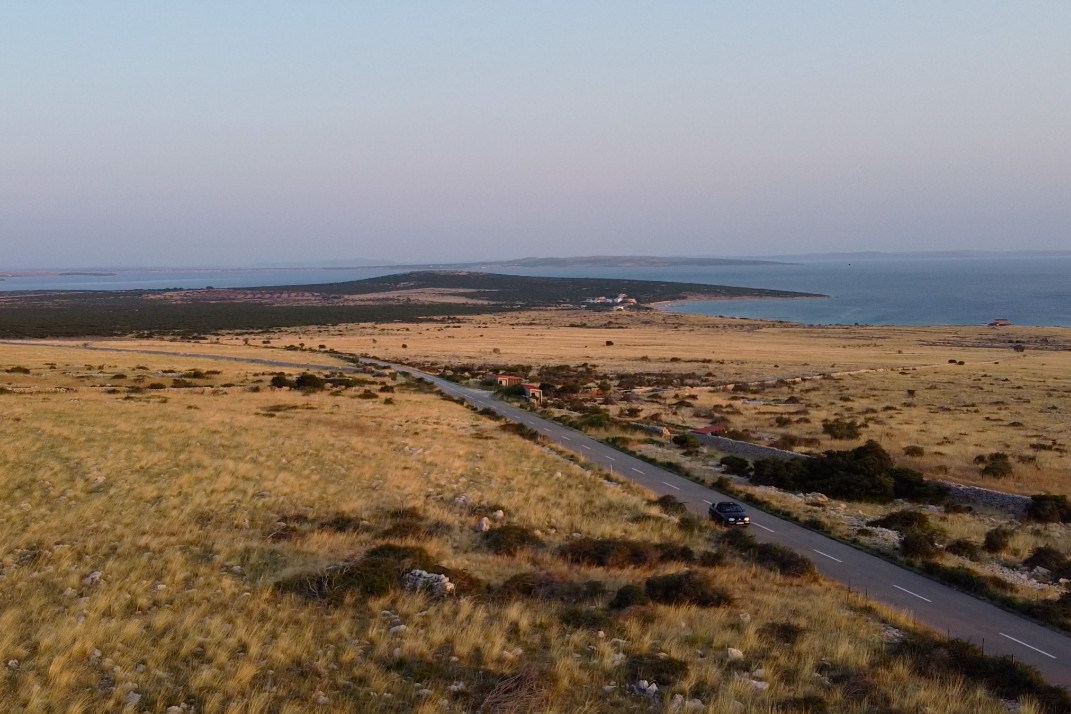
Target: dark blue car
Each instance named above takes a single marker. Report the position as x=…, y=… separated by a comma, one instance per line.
x=728, y=513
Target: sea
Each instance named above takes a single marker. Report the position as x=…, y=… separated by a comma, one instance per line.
x=924, y=290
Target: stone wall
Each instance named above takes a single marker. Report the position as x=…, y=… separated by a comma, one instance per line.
x=745, y=449
x=1010, y=503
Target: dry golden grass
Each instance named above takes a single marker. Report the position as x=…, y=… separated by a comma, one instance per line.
x=138, y=559
x=998, y=400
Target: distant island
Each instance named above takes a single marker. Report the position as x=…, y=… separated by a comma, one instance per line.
x=585, y=261
x=415, y=295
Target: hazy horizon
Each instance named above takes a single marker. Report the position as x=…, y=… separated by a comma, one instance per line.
x=196, y=134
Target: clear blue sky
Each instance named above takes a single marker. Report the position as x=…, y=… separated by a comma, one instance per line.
x=238, y=132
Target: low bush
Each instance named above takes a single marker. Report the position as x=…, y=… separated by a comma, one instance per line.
x=964, y=549
x=998, y=539
x=1002, y=675
x=585, y=618
x=547, y=586
x=1048, y=508
x=377, y=572
x=965, y=579
x=623, y=553
x=918, y=544
x=1050, y=559
x=671, y=505
x=687, y=588
x=842, y=429
x=627, y=596
x=736, y=465
x=509, y=539
x=996, y=465
x=777, y=558
x=520, y=430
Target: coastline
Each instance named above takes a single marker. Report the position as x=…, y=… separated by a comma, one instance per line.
x=666, y=305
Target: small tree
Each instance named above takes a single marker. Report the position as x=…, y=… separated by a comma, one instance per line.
x=997, y=465
x=842, y=429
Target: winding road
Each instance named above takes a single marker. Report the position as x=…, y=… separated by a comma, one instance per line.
x=929, y=602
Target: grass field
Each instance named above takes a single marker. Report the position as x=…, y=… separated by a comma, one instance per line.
x=159, y=548
x=906, y=383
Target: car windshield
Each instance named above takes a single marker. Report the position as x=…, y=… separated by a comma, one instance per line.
x=730, y=508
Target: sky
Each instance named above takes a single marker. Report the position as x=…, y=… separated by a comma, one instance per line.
x=236, y=133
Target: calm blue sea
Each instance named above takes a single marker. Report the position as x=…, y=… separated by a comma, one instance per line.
x=917, y=291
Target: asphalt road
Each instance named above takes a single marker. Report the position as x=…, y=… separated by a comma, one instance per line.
x=929, y=602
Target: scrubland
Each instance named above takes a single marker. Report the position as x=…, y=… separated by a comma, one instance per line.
x=200, y=546
x=905, y=383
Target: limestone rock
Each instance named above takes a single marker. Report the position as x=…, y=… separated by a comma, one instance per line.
x=432, y=583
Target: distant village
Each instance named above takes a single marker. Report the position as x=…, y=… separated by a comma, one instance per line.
x=621, y=302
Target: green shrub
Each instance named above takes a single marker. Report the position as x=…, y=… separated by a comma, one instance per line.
x=782, y=560
x=997, y=465
x=377, y=572
x=623, y=553
x=1048, y=508
x=914, y=450
x=690, y=587
x=964, y=549
x=865, y=473
x=918, y=544
x=279, y=381
x=736, y=465
x=546, y=586
x=842, y=429
x=687, y=441
x=671, y=505
x=998, y=539
x=509, y=539
x=585, y=618
x=1002, y=675
x=1051, y=559
x=627, y=596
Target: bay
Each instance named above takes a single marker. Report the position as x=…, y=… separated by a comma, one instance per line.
x=930, y=290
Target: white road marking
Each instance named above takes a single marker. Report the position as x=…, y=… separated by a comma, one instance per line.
x=610, y=458
x=766, y=529
x=709, y=503
x=827, y=555
x=671, y=485
x=637, y=470
x=585, y=446
x=566, y=437
x=1030, y=646
x=911, y=593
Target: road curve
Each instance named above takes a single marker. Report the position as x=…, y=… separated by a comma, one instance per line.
x=929, y=602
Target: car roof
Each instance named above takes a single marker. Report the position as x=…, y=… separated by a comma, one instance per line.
x=729, y=505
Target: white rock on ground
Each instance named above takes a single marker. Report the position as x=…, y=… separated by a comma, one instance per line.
x=432, y=583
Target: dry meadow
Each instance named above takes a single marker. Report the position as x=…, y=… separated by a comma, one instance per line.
x=155, y=541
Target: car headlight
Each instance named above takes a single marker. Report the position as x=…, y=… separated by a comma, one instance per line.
x=745, y=519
